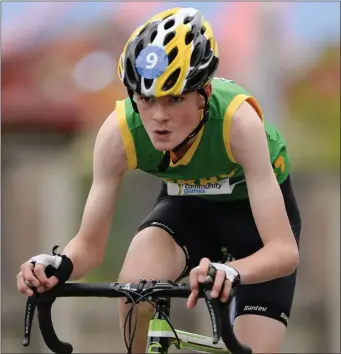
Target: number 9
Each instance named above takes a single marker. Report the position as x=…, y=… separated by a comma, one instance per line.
x=151, y=59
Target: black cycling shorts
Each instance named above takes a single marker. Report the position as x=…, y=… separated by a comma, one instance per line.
x=202, y=228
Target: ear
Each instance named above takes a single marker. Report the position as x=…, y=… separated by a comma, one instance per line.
x=208, y=90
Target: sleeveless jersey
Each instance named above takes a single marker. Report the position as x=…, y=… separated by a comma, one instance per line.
x=208, y=168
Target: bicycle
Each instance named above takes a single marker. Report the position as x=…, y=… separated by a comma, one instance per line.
x=161, y=334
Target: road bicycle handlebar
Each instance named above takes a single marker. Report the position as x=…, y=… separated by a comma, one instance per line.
x=221, y=325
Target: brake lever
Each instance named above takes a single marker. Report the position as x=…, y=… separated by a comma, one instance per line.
x=31, y=305
x=212, y=304
x=213, y=309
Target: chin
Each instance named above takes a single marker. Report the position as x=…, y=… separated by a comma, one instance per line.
x=164, y=145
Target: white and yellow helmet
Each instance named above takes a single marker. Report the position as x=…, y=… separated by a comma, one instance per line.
x=173, y=53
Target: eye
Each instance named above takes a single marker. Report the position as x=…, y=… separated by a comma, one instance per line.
x=146, y=99
x=175, y=99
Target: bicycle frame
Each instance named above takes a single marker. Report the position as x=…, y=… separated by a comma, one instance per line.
x=161, y=337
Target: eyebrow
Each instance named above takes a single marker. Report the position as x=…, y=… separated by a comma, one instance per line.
x=143, y=96
x=169, y=96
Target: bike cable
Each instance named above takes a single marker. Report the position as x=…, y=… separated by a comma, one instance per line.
x=129, y=319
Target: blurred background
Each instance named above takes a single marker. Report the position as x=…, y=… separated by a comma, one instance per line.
x=59, y=83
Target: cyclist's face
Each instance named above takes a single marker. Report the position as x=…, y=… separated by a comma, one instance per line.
x=169, y=120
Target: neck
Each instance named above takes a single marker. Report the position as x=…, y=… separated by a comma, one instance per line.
x=175, y=157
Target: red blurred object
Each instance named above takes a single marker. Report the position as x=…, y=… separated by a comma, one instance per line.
x=24, y=106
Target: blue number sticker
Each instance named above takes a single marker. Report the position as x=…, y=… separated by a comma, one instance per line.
x=151, y=62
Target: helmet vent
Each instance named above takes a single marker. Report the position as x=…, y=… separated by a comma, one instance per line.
x=203, y=30
x=189, y=37
x=195, y=55
x=138, y=48
x=148, y=83
x=188, y=19
x=169, y=24
x=173, y=77
x=130, y=71
x=152, y=37
x=196, y=80
x=168, y=38
x=172, y=55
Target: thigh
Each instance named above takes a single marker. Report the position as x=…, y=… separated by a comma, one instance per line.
x=271, y=299
x=262, y=334
x=152, y=254
x=187, y=220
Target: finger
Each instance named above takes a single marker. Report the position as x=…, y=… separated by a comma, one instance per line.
x=218, y=283
x=39, y=272
x=22, y=286
x=53, y=281
x=192, y=300
x=203, y=269
x=41, y=289
x=193, y=280
x=226, y=292
x=27, y=271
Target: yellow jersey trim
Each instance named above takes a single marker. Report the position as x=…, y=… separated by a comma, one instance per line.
x=126, y=134
x=229, y=113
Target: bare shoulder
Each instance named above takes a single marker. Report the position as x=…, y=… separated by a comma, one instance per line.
x=247, y=135
x=109, y=151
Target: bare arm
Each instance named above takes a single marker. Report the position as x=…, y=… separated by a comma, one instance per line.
x=279, y=256
x=86, y=249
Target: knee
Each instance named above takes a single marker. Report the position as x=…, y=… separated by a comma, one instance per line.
x=262, y=334
x=152, y=254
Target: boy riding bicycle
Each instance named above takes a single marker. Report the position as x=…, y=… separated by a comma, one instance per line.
x=226, y=184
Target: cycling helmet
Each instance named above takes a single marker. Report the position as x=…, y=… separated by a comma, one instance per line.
x=171, y=54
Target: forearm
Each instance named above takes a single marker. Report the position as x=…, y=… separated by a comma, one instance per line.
x=85, y=257
x=279, y=255
x=274, y=260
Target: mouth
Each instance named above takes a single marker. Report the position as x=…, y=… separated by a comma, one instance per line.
x=162, y=131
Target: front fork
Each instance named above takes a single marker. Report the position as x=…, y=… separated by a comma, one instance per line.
x=157, y=341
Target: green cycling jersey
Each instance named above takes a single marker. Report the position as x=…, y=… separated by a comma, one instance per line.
x=208, y=169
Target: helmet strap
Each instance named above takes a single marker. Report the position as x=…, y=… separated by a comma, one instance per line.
x=133, y=103
x=164, y=164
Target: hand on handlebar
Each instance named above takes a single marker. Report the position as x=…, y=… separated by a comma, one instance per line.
x=226, y=277
x=43, y=272
x=33, y=276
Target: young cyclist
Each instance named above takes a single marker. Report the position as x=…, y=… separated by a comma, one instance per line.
x=226, y=184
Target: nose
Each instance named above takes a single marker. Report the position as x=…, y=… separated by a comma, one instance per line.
x=160, y=114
